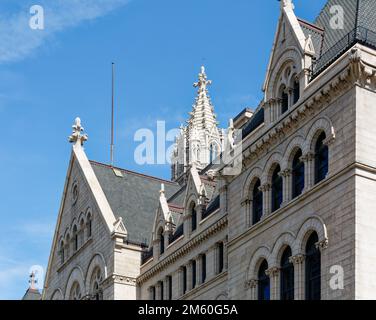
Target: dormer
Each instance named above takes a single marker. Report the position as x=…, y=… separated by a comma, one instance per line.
x=289, y=64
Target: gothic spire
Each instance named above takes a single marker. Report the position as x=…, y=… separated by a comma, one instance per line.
x=202, y=115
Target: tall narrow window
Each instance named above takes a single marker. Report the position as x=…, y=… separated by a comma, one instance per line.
x=277, y=193
x=194, y=217
x=213, y=152
x=152, y=293
x=169, y=284
x=297, y=175
x=184, y=271
x=161, y=241
x=203, y=268
x=257, y=202
x=220, y=249
x=161, y=291
x=194, y=273
x=285, y=102
x=62, y=258
x=89, y=225
x=321, y=158
x=313, y=269
x=75, y=238
x=296, y=91
x=263, y=282
x=287, y=276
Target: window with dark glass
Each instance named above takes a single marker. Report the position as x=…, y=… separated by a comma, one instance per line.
x=203, y=268
x=161, y=292
x=152, y=289
x=296, y=91
x=184, y=271
x=194, y=217
x=297, y=175
x=257, y=203
x=263, y=282
x=277, y=193
x=169, y=284
x=161, y=242
x=220, y=257
x=313, y=269
x=287, y=276
x=321, y=158
x=285, y=102
x=75, y=239
x=194, y=273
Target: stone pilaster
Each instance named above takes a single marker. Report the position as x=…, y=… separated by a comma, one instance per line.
x=308, y=160
x=286, y=185
x=273, y=274
x=251, y=287
x=266, y=190
x=298, y=262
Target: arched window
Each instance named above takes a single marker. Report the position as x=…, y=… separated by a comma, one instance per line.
x=313, y=269
x=75, y=293
x=62, y=257
x=161, y=241
x=297, y=175
x=277, y=193
x=285, y=102
x=263, y=282
x=257, y=198
x=296, y=91
x=82, y=232
x=321, y=158
x=89, y=225
x=75, y=238
x=287, y=276
x=67, y=246
x=193, y=217
x=96, y=282
x=213, y=152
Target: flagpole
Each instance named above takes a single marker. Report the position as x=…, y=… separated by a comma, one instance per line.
x=112, y=115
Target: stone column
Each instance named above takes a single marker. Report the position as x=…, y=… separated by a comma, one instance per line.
x=246, y=205
x=287, y=185
x=251, y=286
x=308, y=160
x=299, y=276
x=277, y=109
x=273, y=274
x=189, y=276
x=266, y=190
x=289, y=92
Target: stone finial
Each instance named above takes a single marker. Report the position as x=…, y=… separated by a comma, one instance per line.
x=287, y=4
x=78, y=137
x=32, y=281
x=203, y=81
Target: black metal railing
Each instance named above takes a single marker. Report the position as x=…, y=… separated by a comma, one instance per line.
x=358, y=35
x=146, y=255
x=213, y=206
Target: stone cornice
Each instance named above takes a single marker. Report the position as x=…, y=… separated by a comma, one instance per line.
x=357, y=72
x=186, y=248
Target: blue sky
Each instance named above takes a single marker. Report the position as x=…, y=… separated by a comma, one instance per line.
x=50, y=76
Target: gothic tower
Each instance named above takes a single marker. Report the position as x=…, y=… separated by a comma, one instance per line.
x=200, y=141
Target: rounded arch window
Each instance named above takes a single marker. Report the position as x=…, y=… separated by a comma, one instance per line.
x=313, y=268
x=277, y=193
x=96, y=285
x=287, y=276
x=75, y=293
x=257, y=205
x=161, y=241
x=297, y=174
x=193, y=217
x=296, y=90
x=75, y=238
x=321, y=158
x=263, y=282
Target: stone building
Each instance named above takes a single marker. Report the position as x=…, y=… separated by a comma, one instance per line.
x=295, y=222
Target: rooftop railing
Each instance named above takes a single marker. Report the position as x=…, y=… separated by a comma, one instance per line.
x=358, y=35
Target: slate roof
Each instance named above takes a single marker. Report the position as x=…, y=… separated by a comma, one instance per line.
x=134, y=197
x=32, y=294
x=317, y=35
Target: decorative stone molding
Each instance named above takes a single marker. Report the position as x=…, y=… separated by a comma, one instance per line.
x=272, y=272
x=298, y=259
x=185, y=249
x=322, y=245
x=251, y=284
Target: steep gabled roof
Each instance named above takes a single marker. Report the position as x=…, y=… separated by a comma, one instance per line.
x=134, y=197
x=32, y=294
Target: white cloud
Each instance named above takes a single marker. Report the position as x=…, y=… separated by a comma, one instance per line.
x=18, y=40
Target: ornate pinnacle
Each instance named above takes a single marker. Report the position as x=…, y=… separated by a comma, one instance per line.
x=32, y=281
x=77, y=137
x=203, y=81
